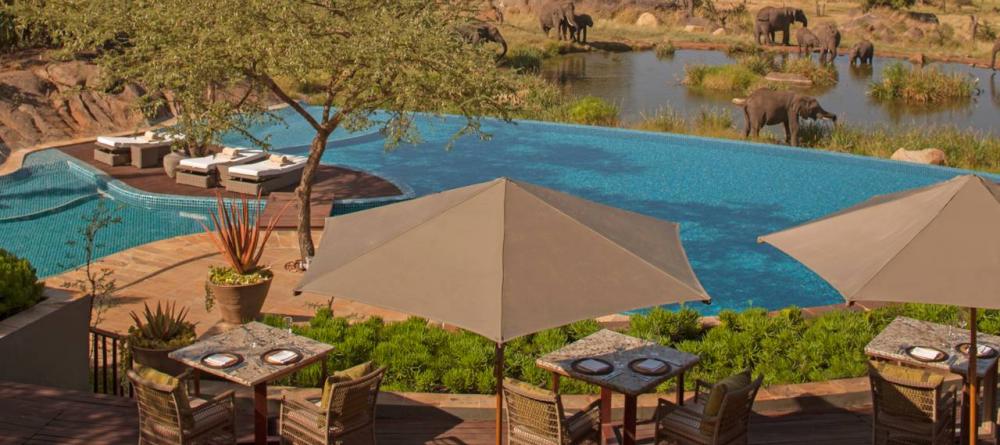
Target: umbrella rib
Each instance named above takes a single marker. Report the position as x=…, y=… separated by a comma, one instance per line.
x=630, y=253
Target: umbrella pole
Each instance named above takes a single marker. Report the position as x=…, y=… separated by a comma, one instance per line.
x=498, y=372
x=973, y=375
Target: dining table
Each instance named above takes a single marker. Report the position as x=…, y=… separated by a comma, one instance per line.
x=626, y=358
x=259, y=354
x=895, y=342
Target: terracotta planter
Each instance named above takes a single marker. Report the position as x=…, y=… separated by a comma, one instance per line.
x=157, y=359
x=240, y=304
x=170, y=163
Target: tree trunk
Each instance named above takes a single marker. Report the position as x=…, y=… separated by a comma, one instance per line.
x=304, y=192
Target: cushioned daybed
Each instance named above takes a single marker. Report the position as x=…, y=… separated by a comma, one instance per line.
x=206, y=171
x=145, y=150
x=274, y=173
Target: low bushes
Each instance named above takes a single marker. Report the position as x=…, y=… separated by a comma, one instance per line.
x=19, y=285
x=821, y=74
x=785, y=348
x=715, y=122
x=525, y=59
x=726, y=78
x=665, y=50
x=921, y=85
x=591, y=110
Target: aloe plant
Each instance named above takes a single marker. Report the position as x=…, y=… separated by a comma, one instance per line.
x=237, y=236
x=165, y=327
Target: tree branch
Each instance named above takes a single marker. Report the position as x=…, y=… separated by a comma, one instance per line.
x=288, y=100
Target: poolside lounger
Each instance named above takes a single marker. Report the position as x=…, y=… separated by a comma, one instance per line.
x=145, y=150
x=274, y=173
x=206, y=171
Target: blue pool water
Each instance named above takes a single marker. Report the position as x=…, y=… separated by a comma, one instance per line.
x=723, y=193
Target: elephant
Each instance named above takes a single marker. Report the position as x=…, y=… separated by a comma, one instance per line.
x=807, y=41
x=558, y=14
x=829, y=39
x=771, y=19
x=863, y=52
x=579, y=34
x=769, y=107
x=994, y=51
x=476, y=33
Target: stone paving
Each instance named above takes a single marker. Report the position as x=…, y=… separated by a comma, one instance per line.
x=175, y=269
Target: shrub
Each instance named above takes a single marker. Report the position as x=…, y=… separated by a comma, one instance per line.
x=666, y=120
x=666, y=327
x=665, y=50
x=591, y=110
x=921, y=85
x=821, y=74
x=525, y=59
x=728, y=78
x=19, y=285
x=713, y=121
x=166, y=328
x=760, y=63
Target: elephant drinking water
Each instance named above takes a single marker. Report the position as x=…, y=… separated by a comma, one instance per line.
x=771, y=19
x=477, y=33
x=769, y=107
x=583, y=21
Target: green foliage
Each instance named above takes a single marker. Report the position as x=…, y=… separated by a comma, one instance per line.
x=821, y=74
x=891, y=4
x=736, y=78
x=666, y=327
x=227, y=276
x=918, y=85
x=591, y=110
x=97, y=282
x=525, y=59
x=19, y=285
x=666, y=120
x=163, y=329
x=713, y=121
x=665, y=50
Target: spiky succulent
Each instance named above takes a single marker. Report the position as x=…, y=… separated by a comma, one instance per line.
x=165, y=327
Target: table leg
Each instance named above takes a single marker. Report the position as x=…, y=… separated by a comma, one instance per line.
x=680, y=389
x=629, y=420
x=260, y=414
x=605, y=411
x=989, y=399
x=555, y=383
x=964, y=430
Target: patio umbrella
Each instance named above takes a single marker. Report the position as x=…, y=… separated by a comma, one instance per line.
x=502, y=259
x=937, y=244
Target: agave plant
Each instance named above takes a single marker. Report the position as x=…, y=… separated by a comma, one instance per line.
x=163, y=327
x=239, y=239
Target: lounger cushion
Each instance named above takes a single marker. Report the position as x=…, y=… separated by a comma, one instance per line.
x=734, y=382
x=209, y=163
x=346, y=375
x=267, y=168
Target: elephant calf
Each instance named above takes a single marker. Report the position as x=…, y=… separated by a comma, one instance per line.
x=579, y=33
x=807, y=41
x=769, y=107
x=862, y=52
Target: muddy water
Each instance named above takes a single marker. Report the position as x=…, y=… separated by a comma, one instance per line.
x=639, y=83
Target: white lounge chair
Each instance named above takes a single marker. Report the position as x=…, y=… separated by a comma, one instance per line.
x=145, y=150
x=274, y=173
x=205, y=171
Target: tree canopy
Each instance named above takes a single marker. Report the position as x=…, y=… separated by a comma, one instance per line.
x=218, y=62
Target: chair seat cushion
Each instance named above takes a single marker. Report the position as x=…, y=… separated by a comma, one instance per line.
x=352, y=373
x=685, y=421
x=734, y=382
x=179, y=391
x=583, y=424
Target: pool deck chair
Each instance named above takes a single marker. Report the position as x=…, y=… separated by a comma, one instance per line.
x=145, y=150
x=206, y=171
x=274, y=173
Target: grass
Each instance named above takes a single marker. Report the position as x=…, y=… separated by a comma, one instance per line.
x=525, y=59
x=927, y=85
x=735, y=78
x=665, y=50
x=820, y=74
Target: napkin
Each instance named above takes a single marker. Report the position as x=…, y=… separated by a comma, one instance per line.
x=219, y=360
x=983, y=350
x=283, y=356
x=591, y=365
x=925, y=353
x=651, y=366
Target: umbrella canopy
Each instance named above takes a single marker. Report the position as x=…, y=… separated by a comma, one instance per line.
x=936, y=244
x=502, y=259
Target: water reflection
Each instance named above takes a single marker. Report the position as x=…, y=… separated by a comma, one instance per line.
x=640, y=83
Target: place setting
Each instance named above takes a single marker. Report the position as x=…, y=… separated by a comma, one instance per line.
x=222, y=360
x=926, y=354
x=281, y=357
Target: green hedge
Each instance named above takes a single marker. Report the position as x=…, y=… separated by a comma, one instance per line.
x=19, y=285
x=785, y=348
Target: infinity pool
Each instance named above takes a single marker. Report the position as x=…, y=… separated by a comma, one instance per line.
x=723, y=193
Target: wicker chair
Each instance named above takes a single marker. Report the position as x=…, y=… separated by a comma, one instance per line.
x=689, y=425
x=349, y=417
x=910, y=406
x=167, y=416
x=535, y=417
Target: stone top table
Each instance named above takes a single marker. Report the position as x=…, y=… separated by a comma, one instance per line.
x=619, y=350
x=250, y=341
x=902, y=333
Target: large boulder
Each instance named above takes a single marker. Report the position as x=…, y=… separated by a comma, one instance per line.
x=647, y=19
x=932, y=156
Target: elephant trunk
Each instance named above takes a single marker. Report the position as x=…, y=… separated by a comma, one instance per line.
x=503, y=47
x=993, y=60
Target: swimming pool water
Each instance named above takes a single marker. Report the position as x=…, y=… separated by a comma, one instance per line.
x=723, y=193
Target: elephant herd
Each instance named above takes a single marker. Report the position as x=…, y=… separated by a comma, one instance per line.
x=826, y=38
x=561, y=15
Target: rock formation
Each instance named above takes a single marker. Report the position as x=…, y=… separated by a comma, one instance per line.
x=932, y=156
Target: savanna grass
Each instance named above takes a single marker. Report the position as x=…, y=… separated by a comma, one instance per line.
x=918, y=85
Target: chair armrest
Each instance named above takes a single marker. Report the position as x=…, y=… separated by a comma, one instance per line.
x=592, y=406
x=224, y=398
x=298, y=400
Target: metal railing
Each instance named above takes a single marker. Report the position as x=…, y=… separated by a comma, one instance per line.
x=105, y=362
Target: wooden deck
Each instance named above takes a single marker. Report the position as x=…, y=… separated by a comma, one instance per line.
x=35, y=415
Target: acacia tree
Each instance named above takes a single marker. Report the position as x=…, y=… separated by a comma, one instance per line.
x=357, y=57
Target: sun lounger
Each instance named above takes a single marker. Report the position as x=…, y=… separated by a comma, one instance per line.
x=274, y=173
x=145, y=150
x=205, y=171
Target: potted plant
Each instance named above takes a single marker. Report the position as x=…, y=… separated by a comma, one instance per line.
x=239, y=288
x=156, y=334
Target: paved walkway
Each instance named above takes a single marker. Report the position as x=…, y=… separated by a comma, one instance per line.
x=175, y=269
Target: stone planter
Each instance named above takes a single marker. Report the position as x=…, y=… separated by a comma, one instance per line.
x=170, y=162
x=239, y=304
x=157, y=359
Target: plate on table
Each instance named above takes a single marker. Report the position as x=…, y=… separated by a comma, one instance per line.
x=592, y=366
x=281, y=357
x=649, y=366
x=926, y=353
x=221, y=360
x=985, y=351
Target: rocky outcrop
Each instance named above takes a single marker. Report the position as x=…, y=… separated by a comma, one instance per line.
x=931, y=156
x=43, y=101
x=647, y=19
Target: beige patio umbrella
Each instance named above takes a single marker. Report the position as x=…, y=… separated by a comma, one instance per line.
x=937, y=244
x=502, y=259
